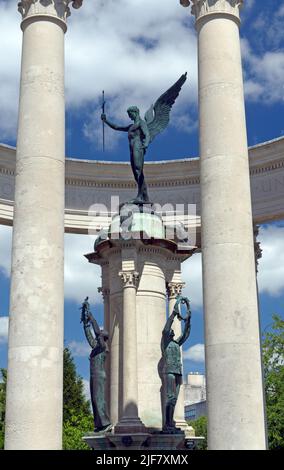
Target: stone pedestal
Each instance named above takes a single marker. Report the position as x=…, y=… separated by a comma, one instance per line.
x=138, y=270
x=35, y=349
x=235, y=398
x=139, y=441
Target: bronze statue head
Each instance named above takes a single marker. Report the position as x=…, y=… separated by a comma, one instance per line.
x=132, y=112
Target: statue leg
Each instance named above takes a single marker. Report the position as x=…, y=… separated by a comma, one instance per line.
x=171, y=401
x=137, y=164
x=96, y=415
x=178, y=385
x=103, y=418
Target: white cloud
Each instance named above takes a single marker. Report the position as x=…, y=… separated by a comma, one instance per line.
x=123, y=47
x=10, y=51
x=87, y=393
x=263, y=75
x=81, y=277
x=126, y=48
x=195, y=353
x=4, y=326
x=270, y=272
x=192, y=276
x=264, y=58
x=271, y=265
x=79, y=348
x=5, y=249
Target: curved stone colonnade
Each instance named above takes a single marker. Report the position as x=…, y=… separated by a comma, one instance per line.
x=89, y=183
x=232, y=343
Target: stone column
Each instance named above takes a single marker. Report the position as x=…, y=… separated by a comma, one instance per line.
x=233, y=356
x=174, y=289
x=130, y=421
x=35, y=355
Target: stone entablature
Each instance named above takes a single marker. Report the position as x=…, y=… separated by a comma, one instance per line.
x=178, y=182
x=57, y=8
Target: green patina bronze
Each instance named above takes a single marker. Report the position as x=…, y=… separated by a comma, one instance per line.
x=142, y=132
x=171, y=354
x=97, y=339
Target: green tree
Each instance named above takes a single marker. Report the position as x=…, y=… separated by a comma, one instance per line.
x=200, y=427
x=273, y=362
x=74, y=400
x=77, y=417
x=2, y=405
x=74, y=429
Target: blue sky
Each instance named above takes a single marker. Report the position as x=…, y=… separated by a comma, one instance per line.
x=135, y=51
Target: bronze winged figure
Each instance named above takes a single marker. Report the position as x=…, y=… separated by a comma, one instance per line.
x=142, y=132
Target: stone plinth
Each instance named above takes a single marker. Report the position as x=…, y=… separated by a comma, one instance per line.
x=153, y=262
x=139, y=441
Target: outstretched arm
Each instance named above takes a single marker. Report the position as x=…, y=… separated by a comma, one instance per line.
x=94, y=324
x=97, y=331
x=114, y=126
x=166, y=331
x=168, y=325
x=186, y=332
x=88, y=333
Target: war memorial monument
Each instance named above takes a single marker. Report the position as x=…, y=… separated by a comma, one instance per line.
x=141, y=274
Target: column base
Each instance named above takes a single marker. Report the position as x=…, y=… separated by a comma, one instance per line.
x=138, y=441
x=128, y=425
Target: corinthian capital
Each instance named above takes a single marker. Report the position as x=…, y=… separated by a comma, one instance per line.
x=129, y=278
x=57, y=8
x=201, y=8
x=174, y=289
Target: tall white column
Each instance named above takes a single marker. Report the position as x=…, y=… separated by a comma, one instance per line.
x=35, y=355
x=233, y=357
x=130, y=421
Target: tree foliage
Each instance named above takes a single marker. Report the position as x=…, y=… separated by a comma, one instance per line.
x=273, y=362
x=3, y=383
x=74, y=400
x=77, y=417
x=74, y=429
x=200, y=427
x=78, y=420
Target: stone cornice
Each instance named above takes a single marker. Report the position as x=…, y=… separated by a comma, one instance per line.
x=260, y=163
x=202, y=8
x=255, y=169
x=91, y=182
x=56, y=8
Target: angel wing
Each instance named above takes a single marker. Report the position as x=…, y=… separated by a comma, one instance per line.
x=158, y=116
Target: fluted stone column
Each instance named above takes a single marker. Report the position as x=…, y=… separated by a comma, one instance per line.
x=35, y=355
x=233, y=357
x=130, y=421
